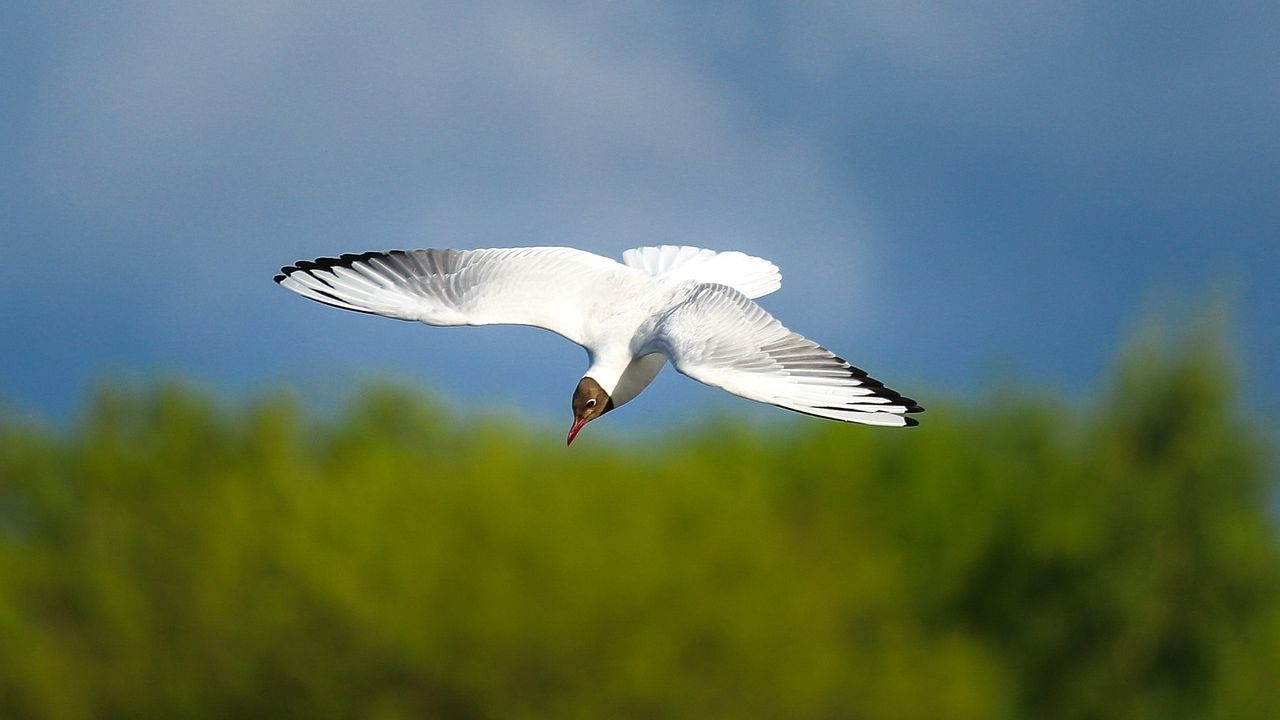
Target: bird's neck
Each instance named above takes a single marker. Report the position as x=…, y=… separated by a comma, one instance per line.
x=624, y=378
x=607, y=371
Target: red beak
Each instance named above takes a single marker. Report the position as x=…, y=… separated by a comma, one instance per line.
x=573, y=431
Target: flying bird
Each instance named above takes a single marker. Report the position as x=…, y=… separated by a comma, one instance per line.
x=690, y=306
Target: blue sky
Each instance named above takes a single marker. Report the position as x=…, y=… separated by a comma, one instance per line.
x=951, y=190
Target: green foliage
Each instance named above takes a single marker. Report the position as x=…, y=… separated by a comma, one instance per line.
x=170, y=558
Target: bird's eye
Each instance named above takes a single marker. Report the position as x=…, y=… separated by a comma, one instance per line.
x=591, y=402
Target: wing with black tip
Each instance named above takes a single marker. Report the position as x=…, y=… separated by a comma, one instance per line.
x=720, y=337
x=543, y=287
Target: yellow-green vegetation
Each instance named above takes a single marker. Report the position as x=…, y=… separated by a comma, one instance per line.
x=172, y=558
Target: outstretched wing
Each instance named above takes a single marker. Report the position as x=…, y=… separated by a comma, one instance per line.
x=720, y=337
x=544, y=287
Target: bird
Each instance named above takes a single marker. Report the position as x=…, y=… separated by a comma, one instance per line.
x=690, y=306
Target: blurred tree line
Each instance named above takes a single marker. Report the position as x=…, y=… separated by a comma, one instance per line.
x=168, y=557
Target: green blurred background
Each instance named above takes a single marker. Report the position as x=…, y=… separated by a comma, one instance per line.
x=169, y=556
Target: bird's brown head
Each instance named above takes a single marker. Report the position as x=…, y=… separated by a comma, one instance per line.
x=590, y=401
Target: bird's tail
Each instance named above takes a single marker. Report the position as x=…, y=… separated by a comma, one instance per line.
x=749, y=275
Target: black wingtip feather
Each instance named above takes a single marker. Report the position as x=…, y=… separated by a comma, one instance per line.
x=911, y=405
x=345, y=260
x=878, y=388
x=893, y=396
x=328, y=263
x=911, y=422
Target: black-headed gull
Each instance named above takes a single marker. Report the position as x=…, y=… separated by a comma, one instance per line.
x=688, y=305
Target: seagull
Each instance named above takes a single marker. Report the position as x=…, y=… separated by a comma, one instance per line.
x=691, y=306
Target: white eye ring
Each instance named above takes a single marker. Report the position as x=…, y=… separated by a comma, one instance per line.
x=591, y=402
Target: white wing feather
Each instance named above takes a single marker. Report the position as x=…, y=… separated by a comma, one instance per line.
x=718, y=336
x=542, y=287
